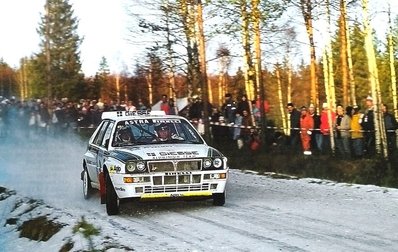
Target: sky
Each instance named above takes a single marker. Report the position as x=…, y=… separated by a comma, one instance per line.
x=103, y=24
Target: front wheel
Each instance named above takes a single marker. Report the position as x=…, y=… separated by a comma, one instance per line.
x=111, y=199
x=87, y=189
x=219, y=199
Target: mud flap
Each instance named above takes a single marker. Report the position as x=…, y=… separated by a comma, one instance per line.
x=101, y=179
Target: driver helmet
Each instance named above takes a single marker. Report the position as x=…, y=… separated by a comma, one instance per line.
x=162, y=131
x=124, y=134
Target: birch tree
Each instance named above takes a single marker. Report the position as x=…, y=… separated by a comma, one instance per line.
x=203, y=67
x=347, y=41
x=392, y=65
x=343, y=52
x=329, y=76
x=381, y=141
x=307, y=10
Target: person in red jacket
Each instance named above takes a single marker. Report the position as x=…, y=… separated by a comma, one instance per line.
x=165, y=106
x=306, y=125
x=326, y=127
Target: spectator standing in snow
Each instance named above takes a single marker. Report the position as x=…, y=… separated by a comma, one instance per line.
x=306, y=125
x=295, y=115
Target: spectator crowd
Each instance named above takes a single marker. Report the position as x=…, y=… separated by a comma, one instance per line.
x=351, y=129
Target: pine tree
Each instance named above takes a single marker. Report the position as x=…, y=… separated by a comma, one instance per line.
x=360, y=64
x=59, y=55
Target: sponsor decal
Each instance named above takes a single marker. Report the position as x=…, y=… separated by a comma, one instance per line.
x=178, y=173
x=132, y=113
x=114, y=169
x=175, y=195
x=175, y=153
x=138, y=121
x=166, y=121
x=172, y=154
x=120, y=189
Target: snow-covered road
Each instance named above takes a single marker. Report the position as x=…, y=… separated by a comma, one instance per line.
x=261, y=213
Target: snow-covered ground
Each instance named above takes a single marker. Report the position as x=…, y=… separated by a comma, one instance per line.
x=261, y=213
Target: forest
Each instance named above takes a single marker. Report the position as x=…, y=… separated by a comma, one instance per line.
x=260, y=54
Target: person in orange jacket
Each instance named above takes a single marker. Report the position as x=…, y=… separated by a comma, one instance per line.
x=306, y=126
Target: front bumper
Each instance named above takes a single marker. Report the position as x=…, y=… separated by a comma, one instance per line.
x=170, y=185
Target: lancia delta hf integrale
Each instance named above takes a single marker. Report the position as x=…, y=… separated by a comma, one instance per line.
x=149, y=156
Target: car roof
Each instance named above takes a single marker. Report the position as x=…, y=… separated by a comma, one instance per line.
x=138, y=114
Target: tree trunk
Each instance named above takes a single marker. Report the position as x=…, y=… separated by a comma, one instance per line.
x=343, y=52
x=258, y=69
x=117, y=85
x=171, y=64
x=381, y=141
x=280, y=99
x=221, y=76
x=328, y=98
x=306, y=10
x=150, y=89
x=193, y=71
x=331, y=94
x=247, y=58
x=350, y=68
x=392, y=67
x=203, y=68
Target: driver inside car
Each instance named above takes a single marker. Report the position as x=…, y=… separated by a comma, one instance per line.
x=124, y=135
x=163, y=133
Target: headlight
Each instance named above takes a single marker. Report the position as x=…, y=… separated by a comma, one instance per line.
x=217, y=163
x=134, y=166
x=141, y=166
x=213, y=163
x=207, y=163
x=131, y=166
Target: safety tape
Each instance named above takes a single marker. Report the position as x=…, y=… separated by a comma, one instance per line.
x=232, y=125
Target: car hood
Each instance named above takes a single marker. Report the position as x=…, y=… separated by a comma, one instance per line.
x=164, y=151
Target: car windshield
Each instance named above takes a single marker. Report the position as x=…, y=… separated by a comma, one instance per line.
x=154, y=131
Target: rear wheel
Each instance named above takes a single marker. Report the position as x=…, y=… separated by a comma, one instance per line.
x=87, y=189
x=219, y=199
x=111, y=200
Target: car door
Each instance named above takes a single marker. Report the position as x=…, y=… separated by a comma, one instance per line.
x=103, y=145
x=95, y=150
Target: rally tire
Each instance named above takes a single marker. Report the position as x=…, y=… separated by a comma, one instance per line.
x=87, y=189
x=111, y=199
x=219, y=199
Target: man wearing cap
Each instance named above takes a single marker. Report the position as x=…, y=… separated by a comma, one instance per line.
x=369, y=128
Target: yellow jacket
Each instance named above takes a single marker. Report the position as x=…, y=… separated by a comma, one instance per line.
x=356, y=128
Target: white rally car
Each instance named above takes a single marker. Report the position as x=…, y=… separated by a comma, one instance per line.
x=149, y=155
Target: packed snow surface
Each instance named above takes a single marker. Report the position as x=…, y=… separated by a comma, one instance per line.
x=260, y=214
